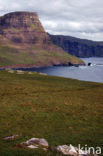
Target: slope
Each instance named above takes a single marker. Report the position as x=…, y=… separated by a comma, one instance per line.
x=78, y=47
x=24, y=42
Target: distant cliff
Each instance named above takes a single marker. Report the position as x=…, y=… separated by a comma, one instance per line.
x=24, y=43
x=78, y=47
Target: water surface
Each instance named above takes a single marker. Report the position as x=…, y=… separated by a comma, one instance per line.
x=87, y=73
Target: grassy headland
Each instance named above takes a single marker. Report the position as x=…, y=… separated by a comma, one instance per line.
x=24, y=43
x=11, y=56
x=61, y=110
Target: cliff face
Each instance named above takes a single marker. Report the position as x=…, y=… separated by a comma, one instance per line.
x=23, y=27
x=24, y=42
x=78, y=47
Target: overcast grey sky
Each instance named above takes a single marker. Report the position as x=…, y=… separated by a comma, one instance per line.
x=79, y=18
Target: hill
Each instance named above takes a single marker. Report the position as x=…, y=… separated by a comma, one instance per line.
x=78, y=47
x=24, y=43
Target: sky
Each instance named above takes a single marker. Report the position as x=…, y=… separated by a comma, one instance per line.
x=78, y=18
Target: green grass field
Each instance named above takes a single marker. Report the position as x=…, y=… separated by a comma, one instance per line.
x=61, y=110
x=11, y=56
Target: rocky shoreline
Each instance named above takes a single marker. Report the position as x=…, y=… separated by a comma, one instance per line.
x=35, y=66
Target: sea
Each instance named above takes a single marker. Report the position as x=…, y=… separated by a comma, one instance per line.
x=93, y=73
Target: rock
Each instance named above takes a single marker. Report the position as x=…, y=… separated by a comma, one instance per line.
x=10, y=71
x=30, y=73
x=36, y=142
x=89, y=64
x=32, y=146
x=83, y=153
x=67, y=150
x=43, y=142
x=71, y=150
x=45, y=149
x=9, y=138
x=42, y=73
x=20, y=72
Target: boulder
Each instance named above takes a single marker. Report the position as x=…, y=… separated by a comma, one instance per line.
x=20, y=72
x=36, y=142
x=10, y=71
x=9, y=138
x=67, y=150
x=71, y=150
x=42, y=73
x=32, y=146
x=30, y=72
x=89, y=64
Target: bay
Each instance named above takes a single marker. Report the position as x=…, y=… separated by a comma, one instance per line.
x=92, y=73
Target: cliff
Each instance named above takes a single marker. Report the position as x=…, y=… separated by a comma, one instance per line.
x=24, y=43
x=78, y=47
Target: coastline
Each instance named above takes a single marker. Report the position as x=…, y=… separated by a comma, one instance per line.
x=23, y=66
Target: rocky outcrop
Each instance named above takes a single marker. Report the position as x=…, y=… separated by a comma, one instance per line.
x=23, y=27
x=24, y=43
x=78, y=47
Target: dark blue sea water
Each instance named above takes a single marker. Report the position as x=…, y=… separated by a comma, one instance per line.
x=87, y=73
